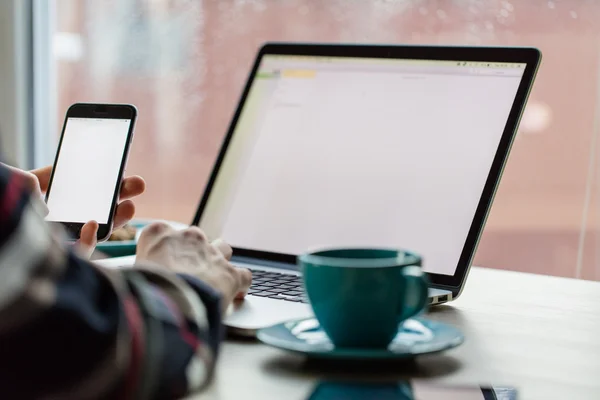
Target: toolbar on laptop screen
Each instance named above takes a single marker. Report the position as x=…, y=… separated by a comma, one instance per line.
x=362, y=152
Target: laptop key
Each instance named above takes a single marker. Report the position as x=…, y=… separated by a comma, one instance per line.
x=280, y=281
x=289, y=278
x=273, y=274
x=262, y=294
x=287, y=286
x=282, y=296
x=259, y=288
x=276, y=291
x=276, y=296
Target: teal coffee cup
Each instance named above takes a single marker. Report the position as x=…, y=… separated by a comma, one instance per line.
x=360, y=296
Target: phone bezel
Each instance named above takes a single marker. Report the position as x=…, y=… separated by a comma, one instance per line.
x=96, y=111
x=397, y=388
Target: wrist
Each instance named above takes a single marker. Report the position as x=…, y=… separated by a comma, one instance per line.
x=213, y=301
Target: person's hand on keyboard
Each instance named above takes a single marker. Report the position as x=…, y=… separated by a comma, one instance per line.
x=189, y=252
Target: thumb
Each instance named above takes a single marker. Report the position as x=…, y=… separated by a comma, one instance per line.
x=43, y=177
x=87, y=239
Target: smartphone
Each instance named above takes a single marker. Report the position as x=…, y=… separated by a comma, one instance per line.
x=413, y=390
x=89, y=166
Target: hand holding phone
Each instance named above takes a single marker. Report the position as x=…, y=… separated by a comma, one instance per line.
x=89, y=165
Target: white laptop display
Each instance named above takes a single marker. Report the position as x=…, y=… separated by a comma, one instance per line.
x=352, y=145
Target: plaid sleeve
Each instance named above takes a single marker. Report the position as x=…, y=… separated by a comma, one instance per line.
x=72, y=330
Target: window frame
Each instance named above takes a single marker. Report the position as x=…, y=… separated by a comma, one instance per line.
x=44, y=90
x=16, y=85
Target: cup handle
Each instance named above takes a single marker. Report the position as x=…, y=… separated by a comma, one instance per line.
x=415, y=281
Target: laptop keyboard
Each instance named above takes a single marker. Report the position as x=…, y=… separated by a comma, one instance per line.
x=277, y=286
x=287, y=287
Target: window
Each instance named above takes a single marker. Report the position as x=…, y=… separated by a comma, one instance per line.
x=183, y=64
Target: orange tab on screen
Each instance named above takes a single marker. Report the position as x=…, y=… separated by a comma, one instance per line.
x=298, y=73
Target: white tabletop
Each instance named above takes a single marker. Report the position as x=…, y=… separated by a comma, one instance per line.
x=540, y=334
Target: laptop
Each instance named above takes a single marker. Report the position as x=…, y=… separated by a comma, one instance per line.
x=336, y=145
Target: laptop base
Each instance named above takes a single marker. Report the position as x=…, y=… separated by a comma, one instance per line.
x=246, y=317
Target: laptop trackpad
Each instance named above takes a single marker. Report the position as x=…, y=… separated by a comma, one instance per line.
x=259, y=312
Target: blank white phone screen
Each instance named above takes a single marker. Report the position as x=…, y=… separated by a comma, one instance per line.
x=87, y=169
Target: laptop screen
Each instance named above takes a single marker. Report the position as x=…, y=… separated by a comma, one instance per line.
x=337, y=151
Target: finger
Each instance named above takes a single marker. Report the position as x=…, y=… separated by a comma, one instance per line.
x=87, y=239
x=30, y=180
x=32, y=183
x=43, y=176
x=131, y=187
x=124, y=213
x=223, y=247
x=153, y=232
x=194, y=235
x=245, y=279
x=241, y=295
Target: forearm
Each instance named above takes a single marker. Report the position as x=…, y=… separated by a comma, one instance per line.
x=70, y=328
